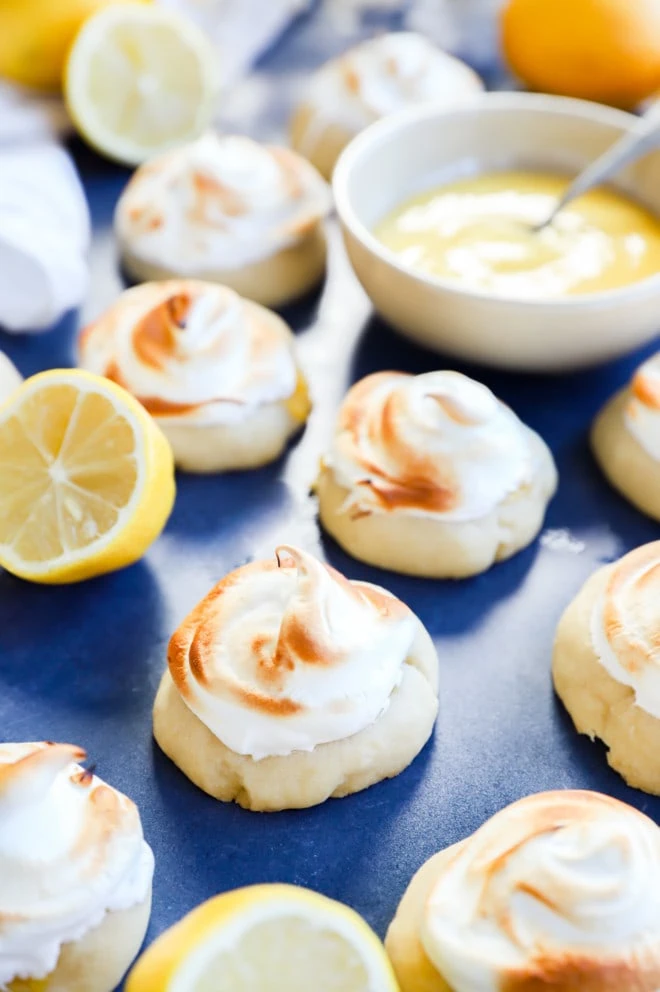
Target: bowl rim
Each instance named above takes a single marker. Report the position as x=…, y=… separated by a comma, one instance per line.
x=483, y=103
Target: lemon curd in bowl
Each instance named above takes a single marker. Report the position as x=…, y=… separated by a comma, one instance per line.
x=428, y=148
x=480, y=232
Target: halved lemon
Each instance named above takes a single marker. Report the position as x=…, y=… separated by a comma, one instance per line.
x=140, y=80
x=267, y=938
x=86, y=478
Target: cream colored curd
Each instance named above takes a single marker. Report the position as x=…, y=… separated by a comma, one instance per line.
x=479, y=233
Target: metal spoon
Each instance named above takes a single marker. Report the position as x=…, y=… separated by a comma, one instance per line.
x=642, y=138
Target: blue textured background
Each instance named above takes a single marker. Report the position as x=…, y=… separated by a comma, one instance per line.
x=82, y=663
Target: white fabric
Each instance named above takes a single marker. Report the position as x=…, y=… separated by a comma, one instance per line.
x=44, y=236
x=240, y=29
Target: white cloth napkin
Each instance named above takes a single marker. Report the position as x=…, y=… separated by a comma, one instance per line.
x=44, y=236
x=10, y=377
x=241, y=30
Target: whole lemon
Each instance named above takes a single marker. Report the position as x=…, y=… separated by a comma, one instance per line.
x=605, y=50
x=35, y=36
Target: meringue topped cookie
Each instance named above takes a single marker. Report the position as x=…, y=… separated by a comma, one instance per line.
x=76, y=872
x=560, y=890
x=606, y=663
x=626, y=439
x=288, y=684
x=10, y=377
x=217, y=372
x=432, y=475
x=230, y=210
x=370, y=81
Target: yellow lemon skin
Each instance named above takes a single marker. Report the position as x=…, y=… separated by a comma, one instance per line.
x=157, y=967
x=35, y=36
x=603, y=50
x=127, y=542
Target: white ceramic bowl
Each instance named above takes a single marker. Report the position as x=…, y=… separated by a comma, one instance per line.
x=417, y=149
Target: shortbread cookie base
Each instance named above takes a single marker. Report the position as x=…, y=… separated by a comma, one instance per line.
x=414, y=970
x=600, y=706
x=251, y=443
x=627, y=466
x=99, y=960
x=435, y=548
x=320, y=141
x=305, y=778
x=273, y=281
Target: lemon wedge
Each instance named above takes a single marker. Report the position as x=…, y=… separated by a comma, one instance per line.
x=86, y=478
x=139, y=80
x=268, y=938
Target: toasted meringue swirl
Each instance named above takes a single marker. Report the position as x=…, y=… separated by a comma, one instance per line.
x=642, y=412
x=560, y=890
x=625, y=625
x=192, y=350
x=222, y=202
x=381, y=76
x=438, y=445
x=71, y=850
x=285, y=655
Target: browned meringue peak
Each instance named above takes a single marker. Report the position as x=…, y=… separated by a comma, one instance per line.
x=286, y=654
x=308, y=632
x=220, y=203
x=399, y=476
x=185, y=347
x=438, y=443
x=560, y=890
x=31, y=775
x=625, y=625
x=71, y=850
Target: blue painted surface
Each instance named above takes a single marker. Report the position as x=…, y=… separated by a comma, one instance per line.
x=82, y=663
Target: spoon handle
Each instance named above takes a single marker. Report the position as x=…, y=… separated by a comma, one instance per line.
x=643, y=137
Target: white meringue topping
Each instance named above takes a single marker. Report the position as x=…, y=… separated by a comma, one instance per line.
x=192, y=352
x=284, y=656
x=10, y=377
x=625, y=625
x=71, y=850
x=642, y=412
x=44, y=236
x=220, y=203
x=433, y=445
x=557, y=888
x=381, y=76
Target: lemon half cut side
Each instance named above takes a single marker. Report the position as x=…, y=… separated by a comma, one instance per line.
x=86, y=478
x=267, y=938
x=140, y=79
